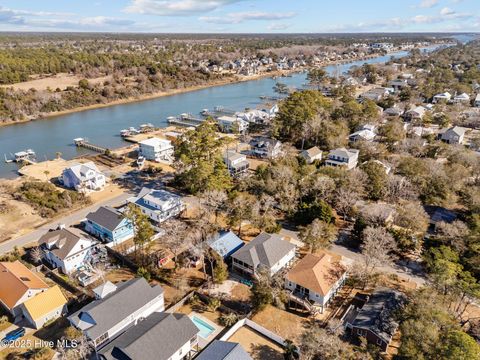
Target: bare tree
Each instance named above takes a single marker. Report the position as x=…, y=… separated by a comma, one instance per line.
x=175, y=237
x=318, y=234
x=214, y=200
x=345, y=201
x=36, y=254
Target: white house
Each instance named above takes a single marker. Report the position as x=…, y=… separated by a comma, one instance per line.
x=103, y=319
x=446, y=96
x=316, y=278
x=343, y=157
x=417, y=112
x=311, y=155
x=156, y=149
x=237, y=163
x=162, y=336
x=158, y=205
x=67, y=249
x=232, y=124
x=266, y=148
x=461, y=98
x=267, y=251
x=453, y=135
x=83, y=177
x=366, y=133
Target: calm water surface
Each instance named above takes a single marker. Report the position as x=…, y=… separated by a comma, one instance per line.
x=102, y=126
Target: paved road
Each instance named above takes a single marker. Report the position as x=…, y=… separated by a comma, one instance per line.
x=67, y=220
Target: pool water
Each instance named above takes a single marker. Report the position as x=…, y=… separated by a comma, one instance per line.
x=205, y=329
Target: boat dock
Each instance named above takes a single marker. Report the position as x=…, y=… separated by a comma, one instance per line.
x=185, y=120
x=81, y=142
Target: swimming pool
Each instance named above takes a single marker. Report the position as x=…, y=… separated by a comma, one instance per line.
x=205, y=329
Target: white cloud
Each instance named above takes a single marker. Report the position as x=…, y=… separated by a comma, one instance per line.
x=237, y=18
x=176, y=7
x=446, y=11
x=428, y=3
x=278, y=27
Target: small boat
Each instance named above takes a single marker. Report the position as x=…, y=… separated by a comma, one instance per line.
x=124, y=133
x=26, y=155
x=205, y=112
x=133, y=130
x=171, y=119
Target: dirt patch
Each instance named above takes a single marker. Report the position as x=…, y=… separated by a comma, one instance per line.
x=61, y=81
x=257, y=345
x=240, y=292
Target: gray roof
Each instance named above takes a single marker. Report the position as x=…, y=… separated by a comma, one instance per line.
x=107, y=217
x=344, y=153
x=265, y=249
x=129, y=297
x=314, y=151
x=377, y=314
x=63, y=241
x=157, y=337
x=224, y=350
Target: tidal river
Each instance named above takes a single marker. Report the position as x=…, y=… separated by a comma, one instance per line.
x=102, y=126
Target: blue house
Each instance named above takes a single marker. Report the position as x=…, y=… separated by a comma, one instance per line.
x=109, y=225
x=225, y=244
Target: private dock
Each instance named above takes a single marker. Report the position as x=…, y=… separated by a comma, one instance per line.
x=81, y=142
x=185, y=120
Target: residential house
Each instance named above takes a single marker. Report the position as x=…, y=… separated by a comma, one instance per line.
x=316, y=278
x=158, y=205
x=110, y=225
x=311, y=155
x=161, y=336
x=476, y=103
x=67, y=249
x=376, y=94
x=44, y=307
x=266, y=148
x=266, y=251
x=343, y=157
x=366, y=133
x=461, y=98
x=19, y=285
x=237, y=163
x=453, y=135
x=156, y=149
x=83, y=177
x=445, y=97
x=375, y=320
x=416, y=113
x=393, y=111
x=223, y=350
x=398, y=84
x=103, y=319
x=232, y=124
x=225, y=243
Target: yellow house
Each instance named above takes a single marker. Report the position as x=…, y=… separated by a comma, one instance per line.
x=45, y=306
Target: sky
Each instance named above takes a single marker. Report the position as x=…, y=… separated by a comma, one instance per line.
x=241, y=16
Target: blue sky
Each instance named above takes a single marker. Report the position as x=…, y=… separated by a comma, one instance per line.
x=251, y=16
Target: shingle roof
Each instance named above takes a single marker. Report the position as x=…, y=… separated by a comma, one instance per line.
x=158, y=337
x=15, y=281
x=316, y=273
x=64, y=241
x=129, y=297
x=265, y=249
x=107, y=217
x=224, y=350
x=312, y=152
x=343, y=152
x=45, y=302
x=377, y=314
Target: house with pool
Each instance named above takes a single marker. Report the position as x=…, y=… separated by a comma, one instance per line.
x=109, y=225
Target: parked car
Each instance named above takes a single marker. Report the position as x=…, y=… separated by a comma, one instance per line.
x=14, y=335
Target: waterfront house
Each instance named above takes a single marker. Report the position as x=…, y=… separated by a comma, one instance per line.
x=445, y=97
x=237, y=163
x=225, y=243
x=461, y=98
x=83, y=178
x=311, y=155
x=343, y=157
x=155, y=149
x=223, y=350
x=161, y=336
x=27, y=297
x=316, y=279
x=232, y=124
x=454, y=135
x=17, y=285
x=158, y=205
x=266, y=148
x=103, y=319
x=67, y=249
x=476, y=103
x=375, y=320
x=266, y=251
x=110, y=225
x=44, y=307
